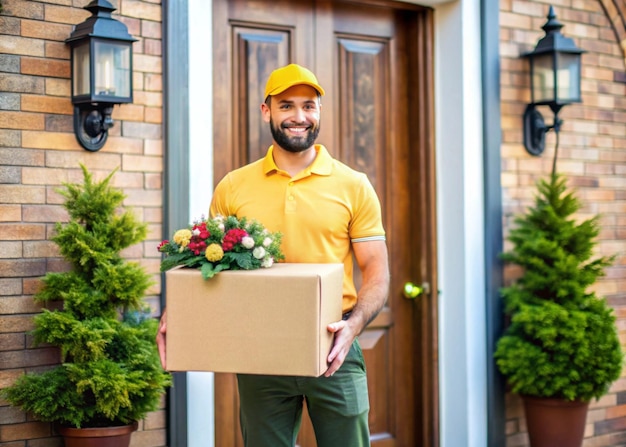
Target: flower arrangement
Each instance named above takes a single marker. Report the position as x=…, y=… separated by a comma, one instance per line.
x=222, y=243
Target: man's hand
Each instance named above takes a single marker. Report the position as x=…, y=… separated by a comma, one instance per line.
x=372, y=259
x=160, y=338
x=344, y=336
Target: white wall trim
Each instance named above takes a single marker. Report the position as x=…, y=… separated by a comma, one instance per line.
x=200, y=386
x=460, y=212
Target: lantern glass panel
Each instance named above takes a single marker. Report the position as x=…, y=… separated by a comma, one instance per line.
x=543, y=78
x=568, y=73
x=113, y=74
x=81, y=75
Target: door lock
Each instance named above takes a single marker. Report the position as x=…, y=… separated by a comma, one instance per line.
x=412, y=291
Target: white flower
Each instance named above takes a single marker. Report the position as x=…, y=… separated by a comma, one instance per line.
x=267, y=262
x=267, y=241
x=258, y=252
x=196, y=232
x=221, y=227
x=247, y=242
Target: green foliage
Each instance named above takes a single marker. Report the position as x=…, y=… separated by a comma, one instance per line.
x=562, y=341
x=111, y=373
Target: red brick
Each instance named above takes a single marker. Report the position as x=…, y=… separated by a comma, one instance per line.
x=15, y=323
x=44, y=213
x=46, y=67
x=27, y=430
x=50, y=31
x=18, y=305
x=21, y=120
x=17, y=232
x=10, y=213
x=47, y=104
x=22, y=267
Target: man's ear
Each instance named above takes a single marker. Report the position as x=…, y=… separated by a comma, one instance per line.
x=265, y=112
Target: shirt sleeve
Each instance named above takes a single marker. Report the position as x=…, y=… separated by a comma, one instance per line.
x=366, y=223
x=220, y=200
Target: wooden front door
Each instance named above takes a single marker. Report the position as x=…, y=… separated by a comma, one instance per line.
x=374, y=59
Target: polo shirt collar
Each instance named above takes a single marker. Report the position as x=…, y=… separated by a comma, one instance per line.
x=322, y=165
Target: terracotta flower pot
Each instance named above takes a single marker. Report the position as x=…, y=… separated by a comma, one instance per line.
x=97, y=437
x=555, y=422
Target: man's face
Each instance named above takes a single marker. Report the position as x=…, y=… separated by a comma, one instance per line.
x=294, y=118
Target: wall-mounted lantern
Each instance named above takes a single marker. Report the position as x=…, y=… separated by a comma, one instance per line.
x=102, y=73
x=554, y=81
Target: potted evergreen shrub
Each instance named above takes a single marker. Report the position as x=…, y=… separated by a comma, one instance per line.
x=561, y=347
x=110, y=375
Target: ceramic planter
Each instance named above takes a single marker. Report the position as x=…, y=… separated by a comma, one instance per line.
x=555, y=422
x=97, y=437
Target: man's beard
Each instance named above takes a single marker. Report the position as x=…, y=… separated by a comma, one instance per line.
x=297, y=143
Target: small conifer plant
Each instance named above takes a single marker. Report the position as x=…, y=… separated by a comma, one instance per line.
x=110, y=372
x=562, y=341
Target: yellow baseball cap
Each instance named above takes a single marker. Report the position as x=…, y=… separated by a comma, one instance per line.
x=288, y=76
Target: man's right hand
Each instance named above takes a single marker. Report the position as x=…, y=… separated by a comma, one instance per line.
x=160, y=338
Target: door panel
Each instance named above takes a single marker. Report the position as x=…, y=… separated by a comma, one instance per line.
x=374, y=61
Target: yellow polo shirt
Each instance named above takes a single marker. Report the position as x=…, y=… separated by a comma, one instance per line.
x=320, y=212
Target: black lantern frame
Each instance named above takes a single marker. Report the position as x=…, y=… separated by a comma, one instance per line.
x=102, y=73
x=555, y=73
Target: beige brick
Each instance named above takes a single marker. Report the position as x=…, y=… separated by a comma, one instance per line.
x=9, y=26
x=22, y=194
x=142, y=163
x=44, y=213
x=47, y=104
x=21, y=46
x=20, y=8
x=116, y=144
x=153, y=47
x=151, y=29
x=59, y=87
x=154, y=115
x=57, y=50
x=21, y=120
x=153, y=147
x=153, y=82
x=10, y=249
x=141, y=197
x=63, y=14
x=22, y=267
x=147, y=63
x=40, y=249
x=21, y=83
x=149, y=438
x=124, y=180
x=50, y=140
x=10, y=286
x=151, y=99
x=154, y=181
x=10, y=213
x=132, y=112
x=21, y=157
x=141, y=10
x=45, y=67
x=134, y=28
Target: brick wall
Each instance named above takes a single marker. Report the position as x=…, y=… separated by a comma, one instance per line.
x=592, y=153
x=38, y=152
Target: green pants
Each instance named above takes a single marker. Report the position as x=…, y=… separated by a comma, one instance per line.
x=271, y=406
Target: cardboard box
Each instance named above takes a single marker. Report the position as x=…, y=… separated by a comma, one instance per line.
x=266, y=321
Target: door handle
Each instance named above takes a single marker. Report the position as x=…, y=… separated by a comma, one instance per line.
x=412, y=291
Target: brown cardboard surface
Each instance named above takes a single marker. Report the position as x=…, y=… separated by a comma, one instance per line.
x=266, y=321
